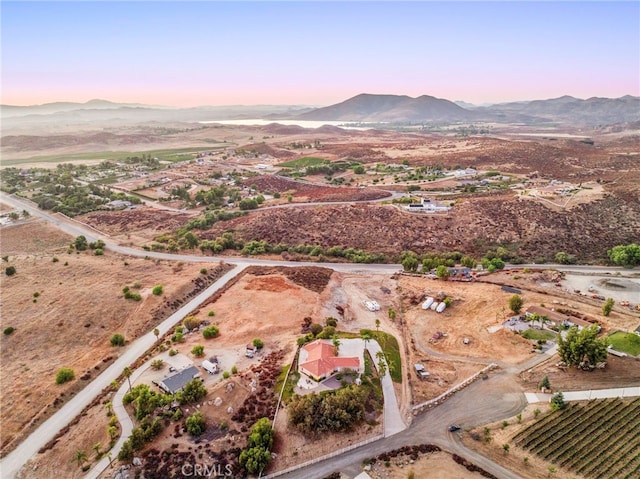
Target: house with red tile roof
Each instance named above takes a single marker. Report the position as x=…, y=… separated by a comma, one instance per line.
x=318, y=360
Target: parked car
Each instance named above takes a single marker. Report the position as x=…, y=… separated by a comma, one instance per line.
x=454, y=428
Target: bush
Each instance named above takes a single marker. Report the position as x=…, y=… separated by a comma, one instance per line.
x=515, y=303
x=157, y=290
x=10, y=270
x=211, y=313
x=196, y=424
x=226, y=375
x=117, y=340
x=54, y=259
x=331, y=322
x=198, y=350
x=172, y=352
x=210, y=332
x=191, y=323
x=234, y=369
x=64, y=375
x=98, y=252
x=157, y=364
x=258, y=343
x=557, y=402
x=7, y=331
x=203, y=271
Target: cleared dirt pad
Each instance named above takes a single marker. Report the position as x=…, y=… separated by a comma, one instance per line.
x=435, y=465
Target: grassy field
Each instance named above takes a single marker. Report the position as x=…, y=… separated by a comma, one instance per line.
x=391, y=350
x=173, y=155
x=598, y=439
x=538, y=334
x=304, y=162
x=625, y=342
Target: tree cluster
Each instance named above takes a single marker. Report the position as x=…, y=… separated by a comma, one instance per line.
x=625, y=255
x=330, y=411
x=257, y=455
x=582, y=348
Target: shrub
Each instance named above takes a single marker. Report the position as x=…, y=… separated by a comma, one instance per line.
x=54, y=259
x=211, y=313
x=64, y=375
x=210, y=332
x=191, y=323
x=203, y=271
x=198, y=350
x=157, y=364
x=117, y=340
x=157, y=290
x=7, y=331
x=195, y=424
x=98, y=252
x=226, y=375
x=10, y=270
x=258, y=343
x=234, y=369
x=333, y=322
x=172, y=352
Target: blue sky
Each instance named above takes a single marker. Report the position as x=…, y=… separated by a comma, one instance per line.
x=217, y=53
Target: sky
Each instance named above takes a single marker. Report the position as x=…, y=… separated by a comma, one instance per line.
x=316, y=53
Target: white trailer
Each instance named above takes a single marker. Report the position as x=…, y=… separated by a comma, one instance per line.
x=434, y=305
x=428, y=302
x=211, y=368
x=441, y=307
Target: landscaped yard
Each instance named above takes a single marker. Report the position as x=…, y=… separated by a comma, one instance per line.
x=538, y=334
x=391, y=350
x=625, y=342
x=304, y=162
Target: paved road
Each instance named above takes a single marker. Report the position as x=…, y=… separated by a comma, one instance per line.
x=476, y=404
x=12, y=463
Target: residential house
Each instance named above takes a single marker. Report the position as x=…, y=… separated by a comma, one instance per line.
x=318, y=360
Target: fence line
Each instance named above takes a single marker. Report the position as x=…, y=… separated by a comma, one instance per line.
x=328, y=456
x=445, y=395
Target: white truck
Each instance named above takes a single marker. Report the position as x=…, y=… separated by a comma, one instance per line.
x=210, y=367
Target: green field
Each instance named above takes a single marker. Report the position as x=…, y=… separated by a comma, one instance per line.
x=173, y=155
x=538, y=334
x=597, y=439
x=304, y=162
x=625, y=342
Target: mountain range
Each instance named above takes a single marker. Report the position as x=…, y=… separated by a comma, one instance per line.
x=360, y=108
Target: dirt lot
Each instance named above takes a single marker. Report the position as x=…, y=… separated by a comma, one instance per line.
x=65, y=312
x=435, y=465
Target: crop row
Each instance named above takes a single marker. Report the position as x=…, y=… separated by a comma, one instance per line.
x=602, y=440
x=540, y=423
x=559, y=418
x=560, y=426
x=579, y=432
x=624, y=445
x=629, y=466
x=574, y=428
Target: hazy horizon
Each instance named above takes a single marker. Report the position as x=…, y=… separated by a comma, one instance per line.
x=187, y=54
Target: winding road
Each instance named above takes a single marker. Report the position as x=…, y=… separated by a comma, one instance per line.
x=481, y=402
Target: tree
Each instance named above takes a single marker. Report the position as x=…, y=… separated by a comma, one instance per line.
x=392, y=316
x=607, y=306
x=442, y=272
x=410, y=263
x=109, y=407
x=157, y=364
x=64, y=375
x=117, y=340
x=10, y=270
x=316, y=329
x=506, y=448
x=210, y=332
x=191, y=323
x=382, y=363
x=257, y=456
x=336, y=344
x=257, y=343
x=564, y=258
x=126, y=372
x=157, y=290
x=97, y=447
x=582, y=348
x=515, y=303
x=80, y=457
x=625, y=255
x=378, y=321
x=366, y=336
x=198, y=350
x=81, y=243
x=156, y=332
x=196, y=424
x=557, y=401
x=192, y=392
x=545, y=383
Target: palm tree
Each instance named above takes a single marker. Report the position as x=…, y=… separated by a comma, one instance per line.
x=365, y=334
x=156, y=331
x=382, y=363
x=96, y=447
x=336, y=344
x=378, y=324
x=81, y=457
x=109, y=406
x=127, y=374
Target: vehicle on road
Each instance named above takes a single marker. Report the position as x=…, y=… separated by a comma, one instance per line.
x=454, y=428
